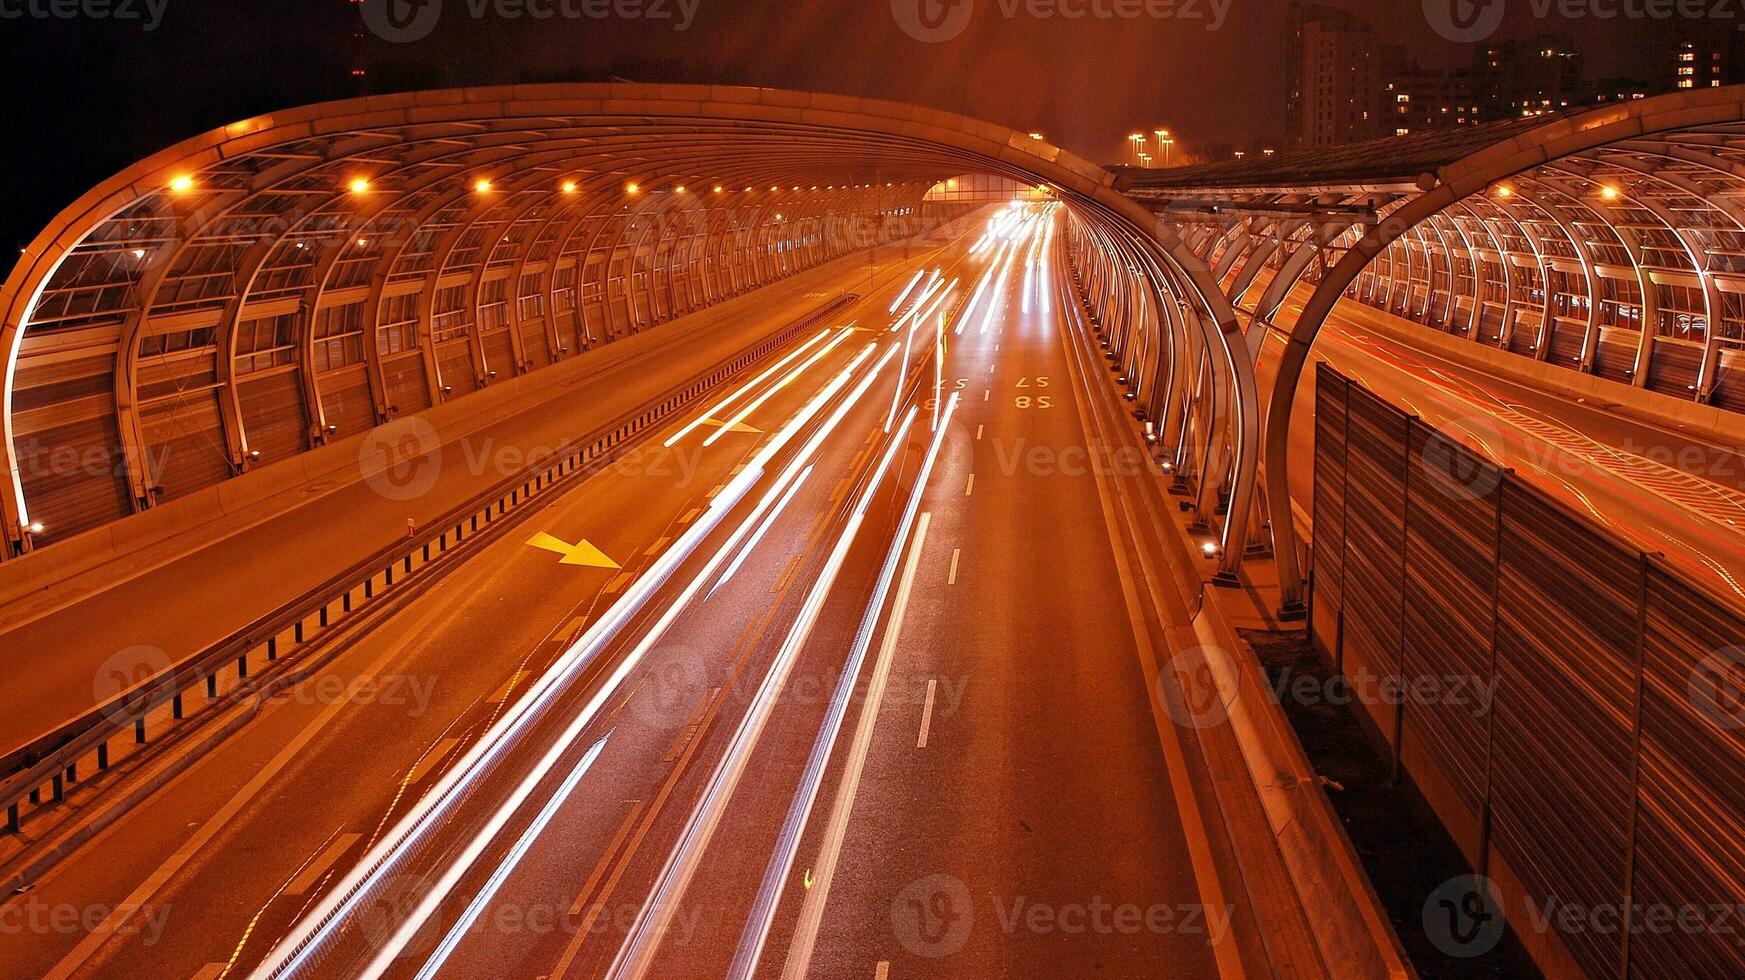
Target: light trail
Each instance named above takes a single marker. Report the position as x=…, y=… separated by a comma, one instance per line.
x=770, y=392
x=477, y=906
x=328, y=919
x=933, y=286
x=636, y=955
x=780, y=868
x=754, y=382
x=746, y=549
x=906, y=290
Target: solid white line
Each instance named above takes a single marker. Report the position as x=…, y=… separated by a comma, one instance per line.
x=978, y=432
x=970, y=487
x=927, y=712
x=952, y=578
x=882, y=971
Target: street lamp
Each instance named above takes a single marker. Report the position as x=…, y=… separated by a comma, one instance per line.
x=1165, y=141
x=1137, y=141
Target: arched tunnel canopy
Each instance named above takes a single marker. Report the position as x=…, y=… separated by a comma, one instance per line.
x=254, y=291
x=1609, y=241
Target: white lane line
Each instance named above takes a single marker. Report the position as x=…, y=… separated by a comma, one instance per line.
x=882, y=971
x=927, y=713
x=952, y=578
x=318, y=867
x=987, y=393
x=970, y=487
x=805, y=936
x=978, y=433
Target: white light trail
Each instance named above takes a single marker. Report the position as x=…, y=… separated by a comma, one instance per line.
x=754, y=382
x=483, y=899
x=755, y=404
x=780, y=867
x=329, y=917
x=637, y=954
x=906, y=290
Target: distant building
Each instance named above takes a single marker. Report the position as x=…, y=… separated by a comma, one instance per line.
x=1608, y=91
x=1335, y=78
x=1532, y=77
x=1705, y=59
x=1421, y=99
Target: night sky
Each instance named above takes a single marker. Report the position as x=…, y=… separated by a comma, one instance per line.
x=89, y=96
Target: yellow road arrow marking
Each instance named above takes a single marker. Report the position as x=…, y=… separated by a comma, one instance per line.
x=582, y=553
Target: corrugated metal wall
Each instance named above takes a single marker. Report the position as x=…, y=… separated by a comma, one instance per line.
x=1609, y=771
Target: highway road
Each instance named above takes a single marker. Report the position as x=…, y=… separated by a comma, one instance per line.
x=828, y=679
x=1660, y=489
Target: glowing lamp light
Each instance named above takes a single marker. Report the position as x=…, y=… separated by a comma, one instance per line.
x=181, y=184
x=34, y=527
x=359, y=185
x=1505, y=191
x=680, y=188
x=569, y=187
x=632, y=188
x=481, y=185
x=139, y=253
x=719, y=188
x=1609, y=193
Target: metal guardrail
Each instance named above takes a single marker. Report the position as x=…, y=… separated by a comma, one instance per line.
x=48, y=763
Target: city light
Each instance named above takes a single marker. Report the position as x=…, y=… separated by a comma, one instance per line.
x=359, y=185
x=569, y=187
x=181, y=184
x=481, y=185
